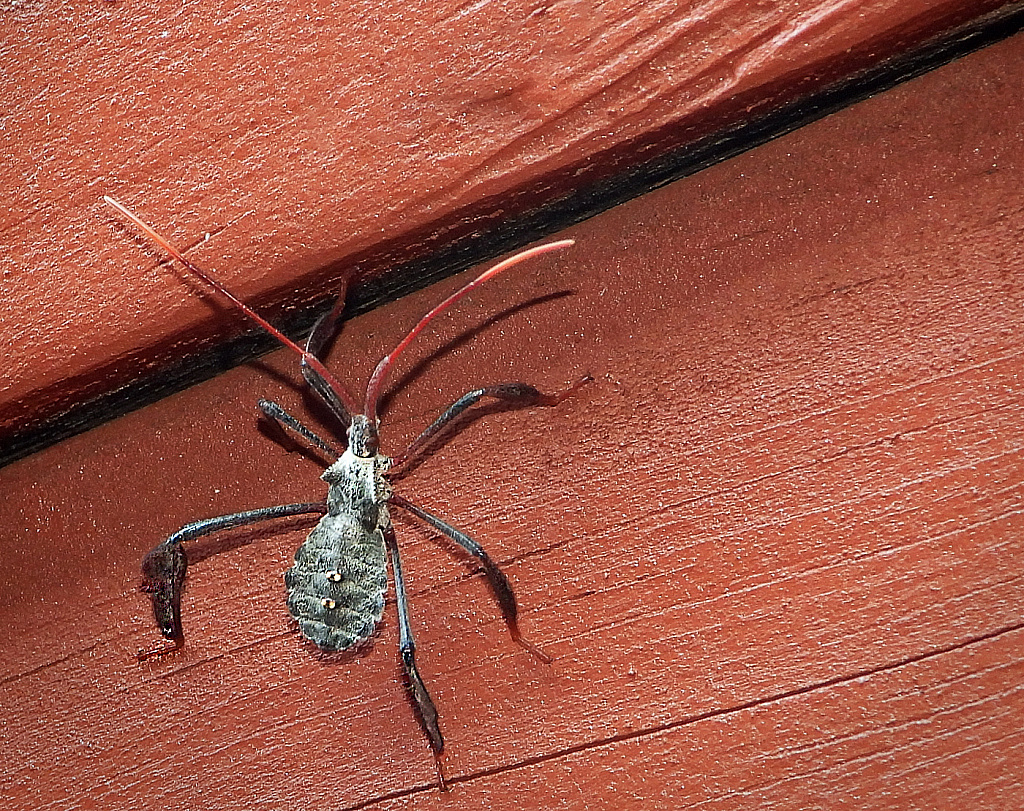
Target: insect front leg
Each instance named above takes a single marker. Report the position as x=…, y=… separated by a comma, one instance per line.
x=511, y=395
x=407, y=648
x=502, y=589
x=323, y=330
x=164, y=567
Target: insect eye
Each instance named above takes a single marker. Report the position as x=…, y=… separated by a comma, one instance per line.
x=328, y=603
x=334, y=576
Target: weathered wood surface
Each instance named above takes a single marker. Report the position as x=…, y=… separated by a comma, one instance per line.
x=285, y=148
x=775, y=548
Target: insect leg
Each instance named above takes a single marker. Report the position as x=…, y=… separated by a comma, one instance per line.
x=327, y=324
x=407, y=648
x=164, y=567
x=335, y=394
x=323, y=329
x=273, y=411
x=495, y=576
x=512, y=395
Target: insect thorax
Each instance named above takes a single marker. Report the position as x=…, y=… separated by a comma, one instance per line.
x=357, y=486
x=337, y=583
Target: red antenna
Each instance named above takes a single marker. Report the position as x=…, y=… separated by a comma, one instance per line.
x=376, y=383
x=308, y=357
x=381, y=372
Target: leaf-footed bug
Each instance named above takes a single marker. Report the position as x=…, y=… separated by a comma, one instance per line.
x=335, y=587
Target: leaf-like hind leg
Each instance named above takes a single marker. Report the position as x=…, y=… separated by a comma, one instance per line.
x=495, y=576
x=407, y=648
x=164, y=567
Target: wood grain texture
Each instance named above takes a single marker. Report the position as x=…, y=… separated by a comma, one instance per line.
x=288, y=148
x=775, y=546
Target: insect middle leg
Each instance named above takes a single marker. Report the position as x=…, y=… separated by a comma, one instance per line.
x=502, y=589
x=407, y=648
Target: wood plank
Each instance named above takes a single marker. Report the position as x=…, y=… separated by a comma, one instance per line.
x=774, y=547
x=286, y=151
x=875, y=740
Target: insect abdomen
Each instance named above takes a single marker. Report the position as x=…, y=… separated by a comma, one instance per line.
x=336, y=584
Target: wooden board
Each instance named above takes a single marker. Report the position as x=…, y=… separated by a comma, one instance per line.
x=774, y=547
x=289, y=149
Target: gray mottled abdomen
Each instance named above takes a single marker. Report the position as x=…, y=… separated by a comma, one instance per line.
x=337, y=583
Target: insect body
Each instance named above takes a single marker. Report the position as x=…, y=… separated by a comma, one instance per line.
x=337, y=582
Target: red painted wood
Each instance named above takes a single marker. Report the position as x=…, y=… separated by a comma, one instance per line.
x=287, y=147
x=775, y=547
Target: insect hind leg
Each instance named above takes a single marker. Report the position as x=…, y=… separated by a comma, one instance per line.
x=407, y=648
x=165, y=566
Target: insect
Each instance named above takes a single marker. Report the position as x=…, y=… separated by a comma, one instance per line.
x=336, y=585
